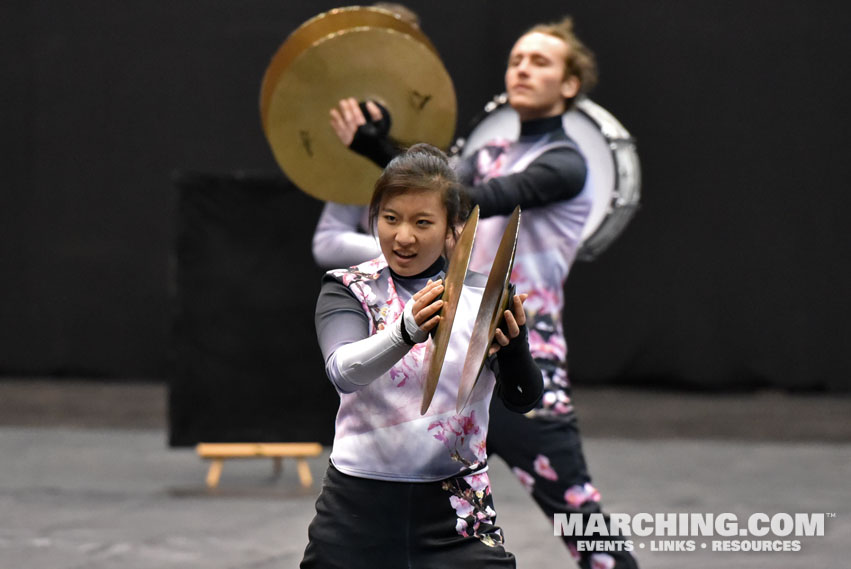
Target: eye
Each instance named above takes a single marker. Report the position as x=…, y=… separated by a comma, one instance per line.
x=425, y=223
x=389, y=218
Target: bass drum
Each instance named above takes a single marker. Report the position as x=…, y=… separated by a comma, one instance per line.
x=614, y=173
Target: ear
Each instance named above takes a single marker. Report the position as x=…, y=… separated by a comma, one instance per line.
x=448, y=247
x=451, y=235
x=570, y=87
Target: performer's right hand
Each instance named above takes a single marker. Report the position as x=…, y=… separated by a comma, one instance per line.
x=425, y=306
x=347, y=117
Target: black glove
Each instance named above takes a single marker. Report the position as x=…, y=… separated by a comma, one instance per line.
x=371, y=139
x=519, y=381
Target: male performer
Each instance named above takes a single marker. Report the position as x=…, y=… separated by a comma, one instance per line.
x=544, y=172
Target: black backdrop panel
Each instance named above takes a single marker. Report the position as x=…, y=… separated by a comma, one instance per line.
x=248, y=367
x=728, y=277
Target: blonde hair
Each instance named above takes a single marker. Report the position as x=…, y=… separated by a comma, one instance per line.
x=580, y=61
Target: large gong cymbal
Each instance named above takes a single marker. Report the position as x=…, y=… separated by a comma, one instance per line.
x=323, y=25
x=383, y=64
x=453, y=283
x=495, y=300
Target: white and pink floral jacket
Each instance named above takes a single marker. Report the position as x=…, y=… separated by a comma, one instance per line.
x=380, y=433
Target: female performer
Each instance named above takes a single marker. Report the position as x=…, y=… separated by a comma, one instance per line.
x=404, y=489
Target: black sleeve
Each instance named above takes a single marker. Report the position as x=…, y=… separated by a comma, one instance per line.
x=520, y=384
x=372, y=141
x=555, y=176
x=381, y=150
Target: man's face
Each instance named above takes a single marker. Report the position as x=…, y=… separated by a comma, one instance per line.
x=535, y=77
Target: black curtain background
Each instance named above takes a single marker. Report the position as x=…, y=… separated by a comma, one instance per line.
x=734, y=274
x=247, y=362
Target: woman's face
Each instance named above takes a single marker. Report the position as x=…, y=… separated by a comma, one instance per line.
x=412, y=230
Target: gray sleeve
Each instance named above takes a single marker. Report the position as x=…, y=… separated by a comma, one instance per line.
x=339, y=318
x=353, y=357
x=339, y=239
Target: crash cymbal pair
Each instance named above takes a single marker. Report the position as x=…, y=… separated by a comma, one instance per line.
x=362, y=52
x=495, y=300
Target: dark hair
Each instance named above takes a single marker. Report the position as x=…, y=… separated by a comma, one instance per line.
x=580, y=60
x=422, y=167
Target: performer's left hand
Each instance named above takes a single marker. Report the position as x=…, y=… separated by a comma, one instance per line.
x=514, y=319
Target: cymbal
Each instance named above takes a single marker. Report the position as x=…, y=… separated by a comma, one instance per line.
x=494, y=303
x=393, y=68
x=325, y=24
x=453, y=283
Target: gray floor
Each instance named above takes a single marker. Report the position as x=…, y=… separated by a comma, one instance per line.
x=86, y=481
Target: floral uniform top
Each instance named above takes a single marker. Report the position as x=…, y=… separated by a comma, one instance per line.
x=379, y=432
x=549, y=237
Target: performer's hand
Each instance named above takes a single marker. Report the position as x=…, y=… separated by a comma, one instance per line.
x=514, y=319
x=426, y=307
x=347, y=117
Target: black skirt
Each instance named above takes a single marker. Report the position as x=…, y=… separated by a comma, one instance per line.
x=375, y=524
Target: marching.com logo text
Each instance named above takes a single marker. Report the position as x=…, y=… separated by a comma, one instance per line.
x=595, y=533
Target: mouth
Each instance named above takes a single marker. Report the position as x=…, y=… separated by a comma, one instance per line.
x=404, y=256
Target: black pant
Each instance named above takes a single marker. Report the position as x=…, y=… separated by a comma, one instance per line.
x=375, y=524
x=546, y=456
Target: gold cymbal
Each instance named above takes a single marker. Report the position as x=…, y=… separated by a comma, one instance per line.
x=453, y=283
x=323, y=25
x=494, y=303
x=383, y=64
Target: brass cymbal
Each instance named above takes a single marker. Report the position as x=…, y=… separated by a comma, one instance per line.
x=325, y=24
x=494, y=303
x=453, y=283
x=394, y=68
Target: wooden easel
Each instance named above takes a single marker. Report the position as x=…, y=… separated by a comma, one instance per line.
x=217, y=453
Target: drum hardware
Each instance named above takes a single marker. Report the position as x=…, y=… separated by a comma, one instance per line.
x=497, y=101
